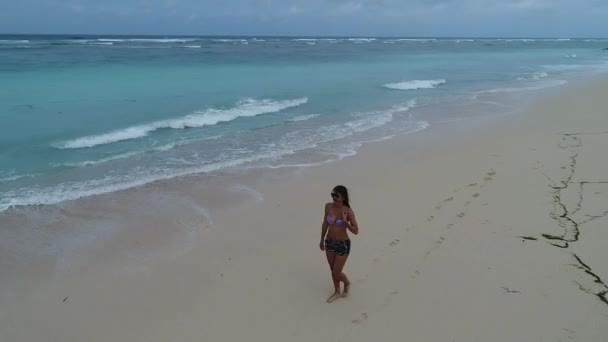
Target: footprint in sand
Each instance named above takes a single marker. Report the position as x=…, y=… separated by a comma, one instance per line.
x=394, y=242
x=476, y=195
x=451, y=198
x=460, y=215
x=472, y=184
x=488, y=178
x=431, y=218
x=394, y=293
x=363, y=317
x=491, y=173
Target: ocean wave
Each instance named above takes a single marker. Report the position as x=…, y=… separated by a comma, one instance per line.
x=524, y=40
x=415, y=84
x=361, y=40
x=14, y=41
x=564, y=67
x=312, y=137
x=148, y=40
x=535, y=76
x=542, y=85
x=193, y=46
x=208, y=117
x=16, y=177
x=161, y=148
x=304, y=117
x=362, y=122
x=229, y=40
x=99, y=161
x=288, y=144
x=413, y=40
x=571, y=56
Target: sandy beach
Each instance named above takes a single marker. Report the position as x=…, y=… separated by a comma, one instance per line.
x=493, y=230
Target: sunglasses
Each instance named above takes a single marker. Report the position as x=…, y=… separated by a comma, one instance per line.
x=335, y=195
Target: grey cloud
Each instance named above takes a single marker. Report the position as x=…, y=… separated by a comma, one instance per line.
x=370, y=17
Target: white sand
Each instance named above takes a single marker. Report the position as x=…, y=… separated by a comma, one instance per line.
x=440, y=256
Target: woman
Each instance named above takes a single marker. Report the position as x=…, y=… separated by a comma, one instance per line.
x=337, y=219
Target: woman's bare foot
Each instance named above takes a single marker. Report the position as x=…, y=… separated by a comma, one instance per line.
x=333, y=297
x=346, y=288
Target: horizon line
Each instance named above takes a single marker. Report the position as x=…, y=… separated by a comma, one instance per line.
x=290, y=36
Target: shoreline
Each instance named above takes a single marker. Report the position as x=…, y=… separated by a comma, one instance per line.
x=449, y=233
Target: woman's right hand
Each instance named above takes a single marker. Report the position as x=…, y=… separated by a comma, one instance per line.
x=322, y=245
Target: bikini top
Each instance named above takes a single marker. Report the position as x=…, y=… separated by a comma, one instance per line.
x=337, y=222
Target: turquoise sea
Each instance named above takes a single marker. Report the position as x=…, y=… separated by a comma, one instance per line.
x=84, y=115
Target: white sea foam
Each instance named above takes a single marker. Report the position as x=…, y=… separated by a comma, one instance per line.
x=564, y=67
x=312, y=137
x=304, y=117
x=14, y=41
x=539, y=86
x=524, y=40
x=413, y=40
x=571, y=56
x=288, y=144
x=101, y=160
x=536, y=76
x=229, y=40
x=166, y=147
x=415, y=84
x=15, y=177
x=208, y=117
x=361, y=40
x=148, y=40
x=162, y=148
x=193, y=46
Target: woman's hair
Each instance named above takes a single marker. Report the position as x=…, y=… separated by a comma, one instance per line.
x=341, y=189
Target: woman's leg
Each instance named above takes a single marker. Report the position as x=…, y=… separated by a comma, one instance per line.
x=331, y=260
x=339, y=275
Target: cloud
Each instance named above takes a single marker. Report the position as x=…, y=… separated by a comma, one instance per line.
x=330, y=17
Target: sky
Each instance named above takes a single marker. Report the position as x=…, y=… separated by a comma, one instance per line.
x=405, y=18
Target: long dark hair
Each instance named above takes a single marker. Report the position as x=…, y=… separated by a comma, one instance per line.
x=341, y=189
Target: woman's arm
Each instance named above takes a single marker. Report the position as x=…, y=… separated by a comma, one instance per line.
x=324, y=227
x=351, y=222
